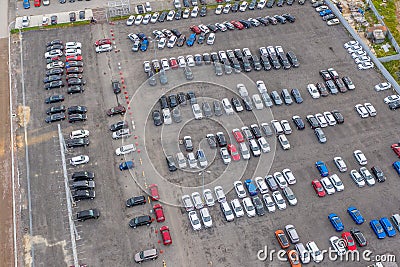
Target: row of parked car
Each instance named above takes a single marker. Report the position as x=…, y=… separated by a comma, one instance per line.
x=359, y=55
x=326, y=14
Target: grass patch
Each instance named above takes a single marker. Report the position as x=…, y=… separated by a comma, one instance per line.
x=388, y=12
x=370, y=17
x=393, y=67
x=61, y=25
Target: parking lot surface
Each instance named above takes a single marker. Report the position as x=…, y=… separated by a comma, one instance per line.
x=109, y=241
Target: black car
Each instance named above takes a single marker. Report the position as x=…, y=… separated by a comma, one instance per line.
x=178, y=14
x=116, y=86
x=55, y=117
x=78, y=195
x=246, y=65
x=258, y=205
x=322, y=89
x=173, y=101
x=201, y=38
x=203, y=2
x=235, y=7
x=75, y=81
x=54, y=47
x=84, y=215
x=289, y=17
x=338, y=116
x=77, y=142
x=236, y=104
x=217, y=108
x=252, y=5
x=53, y=20
x=272, y=20
x=297, y=120
x=74, y=70
x=54, y=99
x=270, y=3
x=263, y=21
x=394, y=105
x=255, y=130
x=211, y=140
x=312, y=121
x=81, y=14
x=176, y=33
x=181, y=40
x=77, y=110
x=140, y=220
x=56, y=109
x=256, y=62
x=275, y=62
x=54, y=71
x=52, y=78
x=221, y=139
x=248, y=105
x=340, y=85
x=72, y=17
x=157, y=118
x=54, y=84
x=280, y=3
x=359, y=237
x=212, y=27
x=163, y=16
x=207, y=59
x=379, y=175
x=75, y=89
x=76, y=117
x=71, y=64
x=182, y=98
x=325, y=75
x=348, y=83
x=135, y=201
x=82, y=175
x=203, y=11
x=297, y=96
x=171, y=163
x=245, y=23
x=186, y=3
x=265, y=62
x=293, y=59
x=191, y=97
x=236, y=65
x=118, y=126
x=163, y=102
x=140, y=9
x=284, y=61
x=54, y=42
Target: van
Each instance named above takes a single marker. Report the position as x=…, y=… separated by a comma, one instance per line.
x=277, y=127
x=145, y=255
x=304, y=255
x=126, y=149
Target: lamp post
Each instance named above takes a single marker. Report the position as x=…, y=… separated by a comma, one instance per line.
x=202, y=174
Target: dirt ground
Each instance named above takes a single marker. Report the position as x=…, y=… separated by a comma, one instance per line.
x=6, y=232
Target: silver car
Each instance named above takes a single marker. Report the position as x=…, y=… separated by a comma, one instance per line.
x=320, y=135
x=369, y=179
x=290, y=196
x=269, y=203
x=187, y=203
x=208, y=197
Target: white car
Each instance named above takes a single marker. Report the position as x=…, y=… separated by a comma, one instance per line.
x=261, y=184
x=321, y=8
x=73, y=45
x=198, y=114
x=195, y=12
x=338, y=245
x=130, y=20
x=365, y=65
x=360, y=157
x=391, y=98
x=146, y=19
x=280, y=202
x=243, y=6
x=181, y=160
x=357, y=178
x=371, y=109
x=227, y=211
x=187, y=203
x=328, y=186
x=146, y=66
x=314, y=251
x=171, y=15
x=269, y=203
x=122, y=133
x=286, y=127
x=284, y=142
x=244, y=150
x=288, y=174
x=261, y=86
x=25, y=21
x=226, y=9
x=206, y=217
x=147, y=6
x=211, y=39
x=350, y=44
x=261, y=4
x=280, y=180
x=165, y=64
x=79, y=134
x=249, y=207
x=82, y=159
x=359, y=60
x=265, y=148
x=219, y=193
x=353, y=49
x=56, y=64
x=190, y=61
x=332, y=22
x=383, y=86
x=257, y=101
x=103, y=48
x=208, y=197
x=312, y=89
x=336, y=182
x=171, y=42
x=239, y=188
x=242, y=90
x=126, y=149
x=181, y=62
x=194, y=220
x=73, y=52
x=329, y=118
x=364, y=58
x=204, y=28
x=226, y=158
x=359, y=53
x=321, y=120
x=237, y=208
x=154, y=17
x=167, y=116
x=197, y=201
x=227, y=106
x=340, y=164
x=192, y=160
x=362, y=111
x=53, y=53
x=369, y=179
x=219, y=9
x=161, y=43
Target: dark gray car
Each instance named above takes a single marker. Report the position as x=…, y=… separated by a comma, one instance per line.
x=207, y=109
x=286, y=97
x=277, y=99
x=188, y=73
x=176, y=115
x=217, y=108
x=332, y=87
x=163, y=77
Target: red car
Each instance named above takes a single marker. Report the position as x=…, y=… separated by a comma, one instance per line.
x=233, y=152
x=318, y=188
x=154, y=192
x=159, y=212
x=116, y=110
x=351, y=245
x=396, y=149
x=238, y=135
x=237, y=24
x=73, y=58
x=102, y=42
x=173, y=63
x=195, y=29
x=166, y=236
x=37, y=3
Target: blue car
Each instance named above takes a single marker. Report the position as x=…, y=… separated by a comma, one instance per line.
x=144, y=45
x=27, y=4
x=325, y=12
x=378, y=229
x=251, y=187
x=336, y=222
x=396, y=166
x=126, y=165
x=355, y=215
x=323, y=170
x=191, y=40
x=387, y=226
